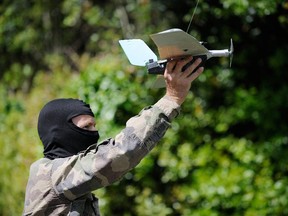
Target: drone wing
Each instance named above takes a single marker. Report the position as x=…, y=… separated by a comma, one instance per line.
x=175, y=42
x=137, y=51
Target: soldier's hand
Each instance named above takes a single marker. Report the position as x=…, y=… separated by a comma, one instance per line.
x=178, y=82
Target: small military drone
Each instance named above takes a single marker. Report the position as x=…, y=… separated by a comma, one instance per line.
x=171, y=44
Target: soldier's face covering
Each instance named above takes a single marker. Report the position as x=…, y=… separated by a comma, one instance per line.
x=60, y=137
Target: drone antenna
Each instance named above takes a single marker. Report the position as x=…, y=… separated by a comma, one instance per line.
x=192, y=16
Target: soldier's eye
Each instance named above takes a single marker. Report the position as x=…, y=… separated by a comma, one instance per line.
x=86, y=127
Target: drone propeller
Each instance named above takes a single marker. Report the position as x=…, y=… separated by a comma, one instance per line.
x=231, y=50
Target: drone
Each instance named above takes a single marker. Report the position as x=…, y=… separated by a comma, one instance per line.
x=172, y=44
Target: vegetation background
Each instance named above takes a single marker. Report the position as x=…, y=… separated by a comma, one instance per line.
x=227, y=152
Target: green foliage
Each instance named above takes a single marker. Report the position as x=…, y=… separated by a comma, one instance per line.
x=224, y=155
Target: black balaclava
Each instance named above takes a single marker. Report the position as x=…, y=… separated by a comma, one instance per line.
x=60, y=137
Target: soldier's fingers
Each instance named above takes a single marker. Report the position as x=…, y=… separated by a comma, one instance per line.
x=195, y=74
x=191, y=68
x=170, y=66
x=181, y=63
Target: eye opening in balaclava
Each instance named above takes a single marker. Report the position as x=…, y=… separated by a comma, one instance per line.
x=59, y=135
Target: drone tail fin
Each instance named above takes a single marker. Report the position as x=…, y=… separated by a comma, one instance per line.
x=137, y=51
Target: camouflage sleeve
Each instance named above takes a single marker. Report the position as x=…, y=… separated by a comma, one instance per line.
x=106, y=163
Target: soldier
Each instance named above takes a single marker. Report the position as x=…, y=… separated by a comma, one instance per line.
x=73, y=165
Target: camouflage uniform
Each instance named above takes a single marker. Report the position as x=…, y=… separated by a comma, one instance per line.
x=63, y=186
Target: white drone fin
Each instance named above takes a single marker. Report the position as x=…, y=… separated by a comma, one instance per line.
x=137, y=51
